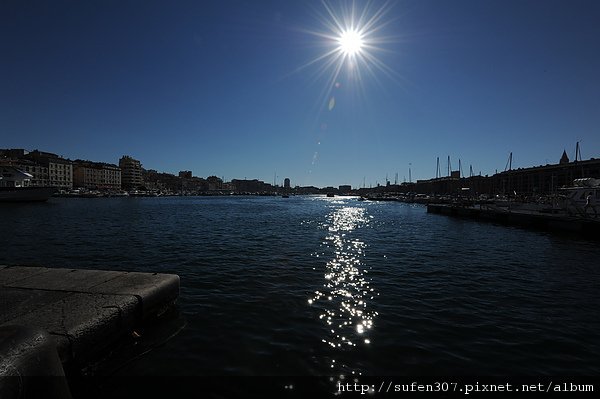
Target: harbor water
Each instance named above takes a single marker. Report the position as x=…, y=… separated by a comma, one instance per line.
x=328, y=286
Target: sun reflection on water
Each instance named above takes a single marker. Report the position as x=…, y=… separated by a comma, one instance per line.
x=343, y=301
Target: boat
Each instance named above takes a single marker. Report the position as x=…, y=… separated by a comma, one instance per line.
x=330, y=194
x=14, y=186
x=582, y=199
x=584, y=194
x=25, y=194
x=119, y=194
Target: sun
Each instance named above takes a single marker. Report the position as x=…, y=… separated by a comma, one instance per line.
x=351, y=43
x=352, y=38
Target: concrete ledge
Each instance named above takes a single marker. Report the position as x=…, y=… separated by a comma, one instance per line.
x=15, y=302
x=12, y=274
x=83, y=311
x=76, y=280
x=84, y=324
x=152, y=289
x=24, y=350
x=29, y=365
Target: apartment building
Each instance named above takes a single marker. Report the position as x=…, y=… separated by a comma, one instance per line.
x=39, y=172
x=46, y=168
x=96, y=175
x=131, y=173
x=60, y=170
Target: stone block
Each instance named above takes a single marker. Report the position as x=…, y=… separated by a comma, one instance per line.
x=89, y=322
x=78, y=280
x=29, y=365
x=11, y=274
x=15, y=302
x=155, y=291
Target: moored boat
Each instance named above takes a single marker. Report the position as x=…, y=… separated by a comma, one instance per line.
x=25, y=194
x=583, y=195
x=14, y=186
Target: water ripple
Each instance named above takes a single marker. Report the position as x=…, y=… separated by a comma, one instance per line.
x=345, y=297
x=394, y=290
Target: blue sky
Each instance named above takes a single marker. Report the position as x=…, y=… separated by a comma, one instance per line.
x=223, y=87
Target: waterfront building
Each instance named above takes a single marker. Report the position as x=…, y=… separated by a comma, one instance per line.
x=154, y=180
x=330, y=190
x=13, y=153
x=345, y=189
x=39, y=173
x=96, y=175
x=307, y=190
x=544, y=179
x=227, y=187
x=131, y=173
x=60, y=170
x=214, y=183
x=532, y=181
x=195, y=184
x=46, y=168
x=60, y=173
x=286, y=183
x=250, y=186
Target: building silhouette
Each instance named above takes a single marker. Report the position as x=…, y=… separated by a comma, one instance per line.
x=131, y=173
x=536, y=180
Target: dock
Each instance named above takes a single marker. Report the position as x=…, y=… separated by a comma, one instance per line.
x=558, y=222
x=57, y=322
